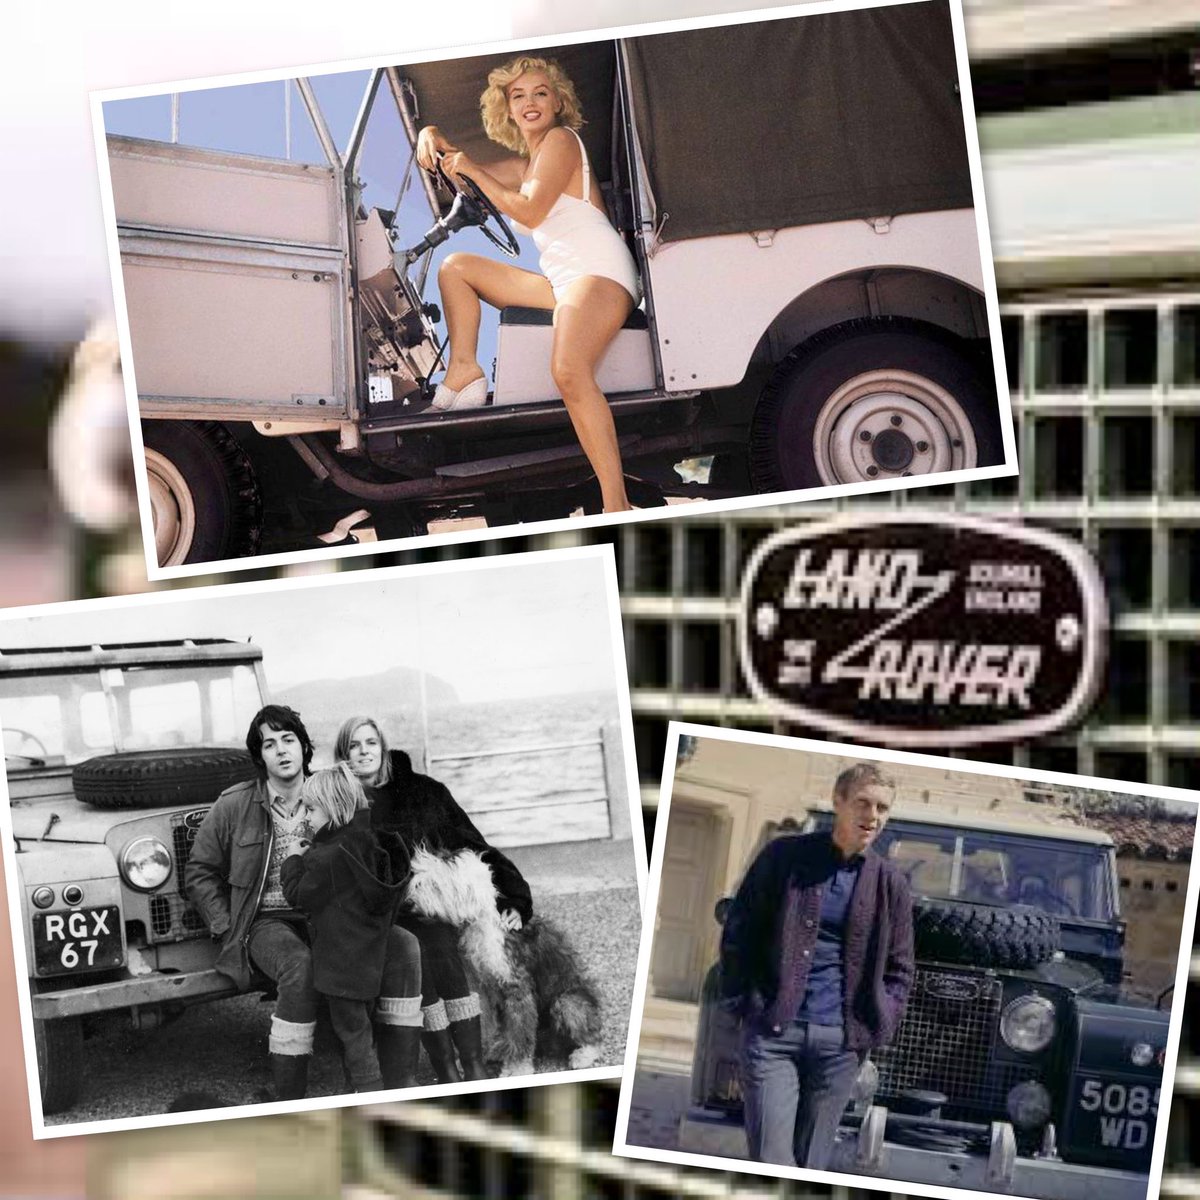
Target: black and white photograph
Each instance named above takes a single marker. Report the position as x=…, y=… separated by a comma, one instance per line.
x=315, y=839
x=908, y=973
x=754, y=275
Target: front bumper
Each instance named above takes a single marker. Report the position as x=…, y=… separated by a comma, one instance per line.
x=863, y=1151
x=190, y=987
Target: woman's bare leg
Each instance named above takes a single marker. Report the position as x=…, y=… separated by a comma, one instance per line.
x=464, y=280
x=587, y=317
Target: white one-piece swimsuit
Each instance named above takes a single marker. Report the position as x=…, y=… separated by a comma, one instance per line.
x=575, y=239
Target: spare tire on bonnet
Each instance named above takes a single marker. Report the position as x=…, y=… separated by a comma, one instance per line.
x=980, y=935
x=154, y=778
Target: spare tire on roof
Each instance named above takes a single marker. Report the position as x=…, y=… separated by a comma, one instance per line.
x=980, y=935
x=157, y=778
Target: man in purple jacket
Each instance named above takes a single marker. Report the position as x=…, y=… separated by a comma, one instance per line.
x=817, y=957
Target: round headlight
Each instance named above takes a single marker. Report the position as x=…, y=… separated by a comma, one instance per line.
x=1028, y=1105
x=1028, y=1023
x=42, y=897
x=145, y=864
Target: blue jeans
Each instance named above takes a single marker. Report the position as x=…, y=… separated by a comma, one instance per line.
x=278, y=949
x=797, y=1083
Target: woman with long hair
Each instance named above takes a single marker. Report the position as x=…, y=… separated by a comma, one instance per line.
x=423, y=812
x=588, y=275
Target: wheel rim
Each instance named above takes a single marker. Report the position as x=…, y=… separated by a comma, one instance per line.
x=173, y=509
x=888, y=424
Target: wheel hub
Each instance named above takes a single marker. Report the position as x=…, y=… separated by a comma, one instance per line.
x=886, y=424
x=892, y=450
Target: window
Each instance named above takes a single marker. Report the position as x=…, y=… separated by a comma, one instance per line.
x=1125, y=562
x=652, y=561
x=1187, y=345
x=1127, y=456
x=1130, y=348
x=649, y=654
x=1185, y=456
x=1062, y=352
x=702, y=546
x=1183, y=682
x=1131, y=766
x=1183, y=568
x=1126, y=692
x=1058, y=456
x=1012, y=331
x=702, y=657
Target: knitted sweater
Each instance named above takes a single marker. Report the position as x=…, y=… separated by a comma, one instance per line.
x=771, y=931
x=422, y=811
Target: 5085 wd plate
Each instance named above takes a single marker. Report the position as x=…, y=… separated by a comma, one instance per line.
x=931, y=630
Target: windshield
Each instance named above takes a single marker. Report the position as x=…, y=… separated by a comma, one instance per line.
x=1067, y=879
x=59, y=720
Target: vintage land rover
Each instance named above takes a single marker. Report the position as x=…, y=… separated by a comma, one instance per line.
x=113, y=756
x=807, y=240
x=1024, y=1062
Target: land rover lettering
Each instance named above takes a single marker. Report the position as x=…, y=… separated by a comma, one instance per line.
x=932, y=630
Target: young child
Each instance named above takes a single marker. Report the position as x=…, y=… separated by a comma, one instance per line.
x=350, y=881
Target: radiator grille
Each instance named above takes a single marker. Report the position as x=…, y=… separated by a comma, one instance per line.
x=944, y=1044
x=172, y=915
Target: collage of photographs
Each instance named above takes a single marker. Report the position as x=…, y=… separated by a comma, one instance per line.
x=603, y=604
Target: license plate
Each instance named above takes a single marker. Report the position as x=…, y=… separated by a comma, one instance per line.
x=1119, y=1115
x=85, y=939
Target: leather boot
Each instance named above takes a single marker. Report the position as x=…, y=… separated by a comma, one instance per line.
x=440, y=1050
x=289, y=1073
x=399, y=1049
x=467, y=1036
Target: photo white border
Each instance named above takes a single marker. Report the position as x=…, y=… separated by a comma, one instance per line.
x=753, y=501
x=678, y=729
x=603, y=555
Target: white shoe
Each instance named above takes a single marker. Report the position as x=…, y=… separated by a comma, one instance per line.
x=472, y=395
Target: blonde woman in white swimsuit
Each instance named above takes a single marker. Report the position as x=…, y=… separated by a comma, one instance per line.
x=589, y=278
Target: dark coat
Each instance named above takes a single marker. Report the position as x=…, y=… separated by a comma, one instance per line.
x=422, y=811
x=771, y=930
x=351, y=883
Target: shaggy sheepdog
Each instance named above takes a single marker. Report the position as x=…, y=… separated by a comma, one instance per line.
x=531, y=983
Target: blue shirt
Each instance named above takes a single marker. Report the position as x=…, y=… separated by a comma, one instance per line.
x=824, y=998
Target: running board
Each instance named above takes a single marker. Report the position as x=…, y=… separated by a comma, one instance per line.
x=513, y=462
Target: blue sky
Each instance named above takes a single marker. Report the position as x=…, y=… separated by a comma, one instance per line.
x=249, y=119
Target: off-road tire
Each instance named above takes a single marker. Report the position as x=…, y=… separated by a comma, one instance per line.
x=59, y=1047
x=983, y=936
x=157, y=778
x=783, y=431
x=206, y=471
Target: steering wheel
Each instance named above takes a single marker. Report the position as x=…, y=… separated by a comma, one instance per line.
x=23, y=738
x=476, y=209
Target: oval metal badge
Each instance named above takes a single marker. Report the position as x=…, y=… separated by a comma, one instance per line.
x=952, y=987
x=923, y=630
x=195, y=819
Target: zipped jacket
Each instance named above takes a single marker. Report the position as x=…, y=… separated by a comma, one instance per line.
x=227, y=869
